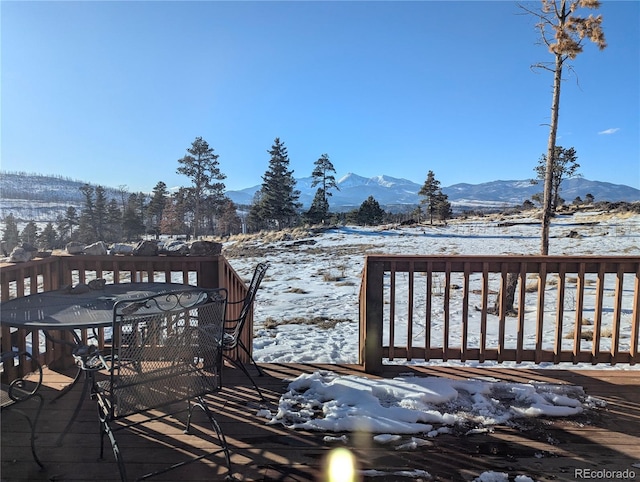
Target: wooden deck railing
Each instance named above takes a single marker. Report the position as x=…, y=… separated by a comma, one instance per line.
x=567, y=309
x=21, y=279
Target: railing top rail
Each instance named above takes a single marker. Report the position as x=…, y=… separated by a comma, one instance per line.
x=106, y=257
x=502, y=257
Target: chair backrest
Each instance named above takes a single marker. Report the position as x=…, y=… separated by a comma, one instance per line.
x=247, y=303
x=166, y=348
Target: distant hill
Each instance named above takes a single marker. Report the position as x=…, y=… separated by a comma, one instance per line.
x=42, y=198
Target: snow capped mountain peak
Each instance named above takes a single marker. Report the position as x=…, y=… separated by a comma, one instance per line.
x=354, y=180
x=351, y=180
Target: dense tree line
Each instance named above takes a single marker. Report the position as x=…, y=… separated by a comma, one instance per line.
x=202, y=208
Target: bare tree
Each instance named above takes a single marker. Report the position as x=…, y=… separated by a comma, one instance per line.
x=563, y=31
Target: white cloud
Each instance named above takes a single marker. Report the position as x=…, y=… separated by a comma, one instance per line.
x=613, y=130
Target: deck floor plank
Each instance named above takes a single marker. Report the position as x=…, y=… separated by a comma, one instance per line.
x=549, y=451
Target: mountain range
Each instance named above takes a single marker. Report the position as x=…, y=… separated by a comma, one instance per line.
x=399, y=194
x=41, y=198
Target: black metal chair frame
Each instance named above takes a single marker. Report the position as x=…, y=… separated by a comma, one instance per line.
x=20, y=390
x=233, y=327
x=166, y=350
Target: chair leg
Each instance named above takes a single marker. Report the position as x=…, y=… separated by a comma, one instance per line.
x=241, y=366
x=116, y=450
x=105, y=429
x=219, y=433
x=246, y=350
x=32, y=428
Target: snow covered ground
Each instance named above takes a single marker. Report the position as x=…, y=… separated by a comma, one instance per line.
x=307, y=306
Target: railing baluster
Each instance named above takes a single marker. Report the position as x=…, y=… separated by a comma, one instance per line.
x=428, y=301
x=392, y=310
x=597, y=319
x=521, y=310
x=410, y=311
x=635, y=319
x=502, y=311
x=465, y=312
x=485, y=310
x=557, y=351
x=577, y=346
x=447, y=311
x=617, y=314
x=542, y=284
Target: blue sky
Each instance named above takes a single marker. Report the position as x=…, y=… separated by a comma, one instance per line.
x=114, y=93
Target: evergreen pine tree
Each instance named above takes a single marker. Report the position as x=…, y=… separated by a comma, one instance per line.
x=48, y=238
x=173, y=215
x=430, y=191
x=10, y=234
x=443, y=207
x=113, y=222
x=322, y=175
x=156, y=206
x=29, y=233
x=66, y=224
x=202, y=168
x=87, y=232
x=278, y=202
x=319, y=209
x=256, y=219
x=229, y=221
x=564, y=166
x=132, y=224
x=93, y=217
x=370, y=212
x=100, y=212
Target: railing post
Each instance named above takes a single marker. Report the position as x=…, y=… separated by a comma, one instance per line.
x=371, y=315
x=209, y=274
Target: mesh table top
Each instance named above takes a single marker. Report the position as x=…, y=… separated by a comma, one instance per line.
x=61, y=310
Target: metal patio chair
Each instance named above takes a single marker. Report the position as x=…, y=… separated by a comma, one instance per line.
x=233, y=327
x=166, y=355
x=19, y=389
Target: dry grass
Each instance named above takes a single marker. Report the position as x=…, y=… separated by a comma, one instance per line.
x=332, y=276
x=588, y=335
x=319, y=321
x=298, y=291
x=531, y=287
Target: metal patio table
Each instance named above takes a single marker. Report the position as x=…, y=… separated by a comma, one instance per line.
x=64, y=310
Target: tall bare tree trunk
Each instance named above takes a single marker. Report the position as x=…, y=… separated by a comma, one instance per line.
x=547, y=209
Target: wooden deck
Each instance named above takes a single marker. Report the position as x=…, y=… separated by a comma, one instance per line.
x=608, y=439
